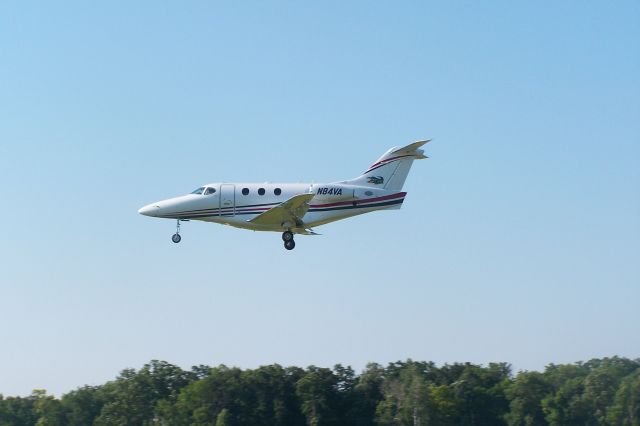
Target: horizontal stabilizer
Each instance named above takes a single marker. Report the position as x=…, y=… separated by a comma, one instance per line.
x=413, y=149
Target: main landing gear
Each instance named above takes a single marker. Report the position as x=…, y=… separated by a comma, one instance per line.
x=287, y=237
x=176, y=238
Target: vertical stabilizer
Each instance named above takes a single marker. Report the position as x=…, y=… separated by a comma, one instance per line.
x=391, y=170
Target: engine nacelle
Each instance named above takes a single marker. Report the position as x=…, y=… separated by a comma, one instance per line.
x=361, y=193
x=335, y=193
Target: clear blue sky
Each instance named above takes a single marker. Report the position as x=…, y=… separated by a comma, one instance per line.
x=519, y=240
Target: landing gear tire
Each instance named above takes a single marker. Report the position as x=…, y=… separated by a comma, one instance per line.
x=176, y=238
x=287, y=236
x=289, y=245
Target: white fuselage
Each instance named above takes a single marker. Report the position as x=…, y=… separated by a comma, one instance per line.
x=294, y=208
x=236, y=204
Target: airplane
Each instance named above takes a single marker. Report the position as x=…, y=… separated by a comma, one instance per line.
x=294, y=208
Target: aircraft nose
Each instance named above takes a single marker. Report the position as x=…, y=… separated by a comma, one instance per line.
x=150, y=210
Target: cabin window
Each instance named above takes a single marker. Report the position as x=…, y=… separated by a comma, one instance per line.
x=277, y=191
x=209, y=191
x=245, y=191
x=199, y=190
x=261, y=191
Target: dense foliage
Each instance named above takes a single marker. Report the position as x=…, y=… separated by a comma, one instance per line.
x=598, y=392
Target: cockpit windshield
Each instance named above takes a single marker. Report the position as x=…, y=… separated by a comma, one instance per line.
x=199, y=190
x=209, y=191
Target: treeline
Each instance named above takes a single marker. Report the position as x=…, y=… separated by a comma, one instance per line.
x=598, y=392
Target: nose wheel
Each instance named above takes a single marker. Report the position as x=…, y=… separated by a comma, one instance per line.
x=176, y=238
x=287, y=237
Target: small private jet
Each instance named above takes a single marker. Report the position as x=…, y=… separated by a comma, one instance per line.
x=294, y=208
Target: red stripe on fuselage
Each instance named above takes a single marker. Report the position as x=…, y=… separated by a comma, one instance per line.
x=368, y=200
x=387, y=161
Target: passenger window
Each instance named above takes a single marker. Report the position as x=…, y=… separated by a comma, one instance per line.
x=261, y=191
x=277, y=191
x=210, y=191
x=245, y=191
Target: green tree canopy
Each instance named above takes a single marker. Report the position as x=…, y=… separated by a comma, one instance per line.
x=405, y=393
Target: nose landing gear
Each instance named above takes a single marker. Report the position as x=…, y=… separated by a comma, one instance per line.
x=176, y=238
x=287, y=237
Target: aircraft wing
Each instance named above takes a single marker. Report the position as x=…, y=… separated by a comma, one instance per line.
x=288, y=212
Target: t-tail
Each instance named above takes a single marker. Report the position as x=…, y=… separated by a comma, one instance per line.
x=391, y=170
